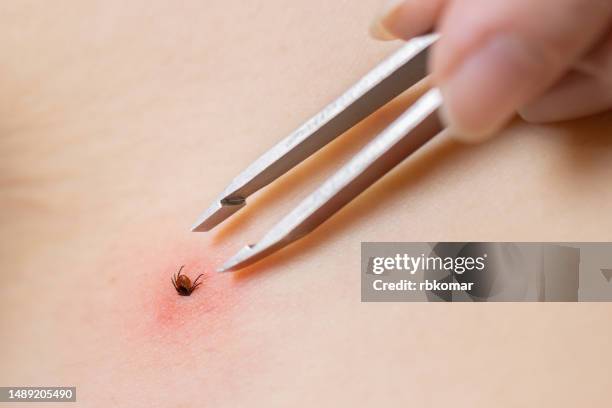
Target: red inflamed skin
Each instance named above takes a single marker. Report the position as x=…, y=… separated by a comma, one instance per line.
x=171, y=307
x=157, y=330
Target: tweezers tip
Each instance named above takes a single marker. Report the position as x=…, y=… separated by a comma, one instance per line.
x=228, y=266
x=203, y=222
x=239, y=260
x=218, y=212
x=197, y=227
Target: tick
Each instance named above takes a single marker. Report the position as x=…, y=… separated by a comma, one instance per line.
x=183, y=284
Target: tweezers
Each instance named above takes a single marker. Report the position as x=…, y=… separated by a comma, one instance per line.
x=410, y=131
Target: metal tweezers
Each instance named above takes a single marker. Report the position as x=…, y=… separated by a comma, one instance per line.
x=411, y=130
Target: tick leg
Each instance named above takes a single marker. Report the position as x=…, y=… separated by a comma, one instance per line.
x=179, y=272
x=196, y=283
x=173, y=279
x=196, y=279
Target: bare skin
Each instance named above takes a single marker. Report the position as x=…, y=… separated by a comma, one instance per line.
x=121, y=121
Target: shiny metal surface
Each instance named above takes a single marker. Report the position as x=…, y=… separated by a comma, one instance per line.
x=394, y=75
x=414, y=128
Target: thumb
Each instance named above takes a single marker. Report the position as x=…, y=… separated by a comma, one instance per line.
x=495, y=56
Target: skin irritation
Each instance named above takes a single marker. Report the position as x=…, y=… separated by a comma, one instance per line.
x=179, y=308
x=155, y=324
x=173, y=307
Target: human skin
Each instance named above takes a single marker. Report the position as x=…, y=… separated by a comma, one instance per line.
x=121, y=121
x=551, y=60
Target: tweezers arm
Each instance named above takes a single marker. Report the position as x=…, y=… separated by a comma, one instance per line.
x=397, y=73
x=415, y=127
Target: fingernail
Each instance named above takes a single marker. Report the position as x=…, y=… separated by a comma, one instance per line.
x=483, y=92
x=379, y=28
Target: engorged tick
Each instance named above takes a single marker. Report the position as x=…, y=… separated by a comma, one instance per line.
x=183, y=284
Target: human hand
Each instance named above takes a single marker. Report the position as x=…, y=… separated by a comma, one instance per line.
x=549, y=60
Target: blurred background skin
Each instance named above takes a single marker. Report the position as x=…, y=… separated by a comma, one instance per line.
x=122, y=121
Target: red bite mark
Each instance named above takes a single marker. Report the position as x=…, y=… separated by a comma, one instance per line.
x=162, y=332
x=206, y=313
x=153, y=311
x=212, y=300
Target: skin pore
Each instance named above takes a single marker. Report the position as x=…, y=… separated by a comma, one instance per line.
x=122, y=121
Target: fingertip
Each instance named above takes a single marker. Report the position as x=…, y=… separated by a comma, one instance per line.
x=531, y=114
x=456, y=130
x=481, y=95
x=380, y=32
x=577, y=95
x=507, y=58
x=404, y=19
x=379, y=29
